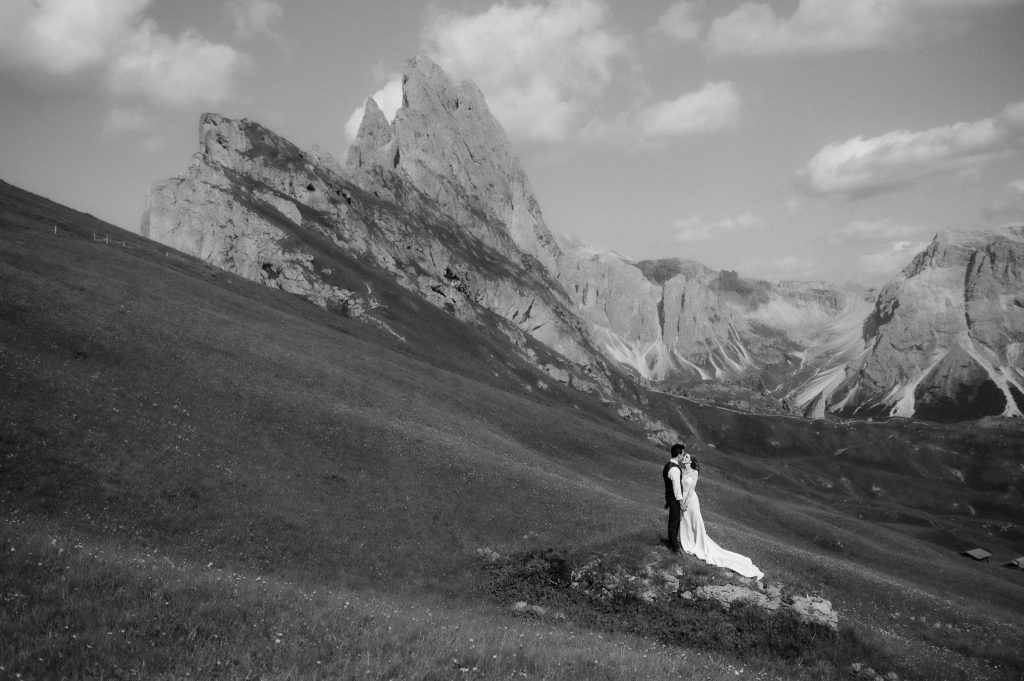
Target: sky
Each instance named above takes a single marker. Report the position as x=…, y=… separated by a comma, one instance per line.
x=788, y=139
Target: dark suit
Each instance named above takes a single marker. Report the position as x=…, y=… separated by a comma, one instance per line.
x=673, y=506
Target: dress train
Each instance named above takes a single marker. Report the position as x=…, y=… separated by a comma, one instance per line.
x=695, y=541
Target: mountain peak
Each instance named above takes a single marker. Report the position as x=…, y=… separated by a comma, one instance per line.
x=427, y=88
x=374, y=134
x=950, y=248
x=446, y=142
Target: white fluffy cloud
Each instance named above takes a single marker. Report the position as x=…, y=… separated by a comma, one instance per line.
x=48, y=41
x=837, y=25
x=173, y=71
x=680, y=21
x=701, y=229
x=255, y=17
x=714, y=106
x=862, y=167
x=60, y=37
x=388, y=98
x=539, y=65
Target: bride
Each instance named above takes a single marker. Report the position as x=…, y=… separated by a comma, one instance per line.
x=692, y=536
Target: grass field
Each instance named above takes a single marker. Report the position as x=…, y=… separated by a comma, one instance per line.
x=204, y=478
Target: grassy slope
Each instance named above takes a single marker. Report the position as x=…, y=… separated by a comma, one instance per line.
x=171, y=430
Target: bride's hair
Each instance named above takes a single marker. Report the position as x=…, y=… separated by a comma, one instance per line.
x=693, y=463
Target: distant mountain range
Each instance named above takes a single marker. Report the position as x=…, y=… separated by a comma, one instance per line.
x=437, y=199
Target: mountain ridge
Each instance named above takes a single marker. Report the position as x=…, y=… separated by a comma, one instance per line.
x=445, y=161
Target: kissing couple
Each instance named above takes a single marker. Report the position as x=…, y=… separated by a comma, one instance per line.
x=686, y=525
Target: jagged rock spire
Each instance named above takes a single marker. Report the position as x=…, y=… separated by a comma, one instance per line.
x=374, y=134
x=446, y=141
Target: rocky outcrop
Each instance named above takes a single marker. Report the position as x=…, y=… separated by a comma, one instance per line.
x=666, y=579
x=806, y=607
x=245, y=230
x=255, y=204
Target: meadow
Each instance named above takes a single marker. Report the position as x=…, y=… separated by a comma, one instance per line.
x=204, y=478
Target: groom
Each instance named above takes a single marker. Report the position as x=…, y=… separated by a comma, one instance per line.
x=673, y=494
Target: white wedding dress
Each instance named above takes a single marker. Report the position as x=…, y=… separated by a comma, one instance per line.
x=695, y=540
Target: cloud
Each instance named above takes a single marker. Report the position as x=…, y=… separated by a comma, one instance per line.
x=55, y=42
x=541, y=66
x=700, y=229
x=862, y=167
x=388, y=98
x=60, y=37
x=879, y=230
x=255, y=17
x=819, y=26
x=794, y=204
x=1008, y=207
x=173, y=72
x=137, y=122
x=890, y=261
x=714, y=106
x=124, y=119
x=546, y=71
x=679, y=22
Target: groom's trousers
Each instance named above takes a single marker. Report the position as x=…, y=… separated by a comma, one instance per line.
x=674, y=515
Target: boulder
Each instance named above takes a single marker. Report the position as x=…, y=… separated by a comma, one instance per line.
x=727, y=594
x=815, y=610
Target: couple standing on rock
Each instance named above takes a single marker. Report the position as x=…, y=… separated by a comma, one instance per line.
x=686, y=526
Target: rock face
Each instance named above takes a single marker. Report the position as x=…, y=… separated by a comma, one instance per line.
x=438, y=201
x=243, y=227
x=445, y=141
x=251, y=202
x=944, y=340
x=663, y=320
x=444, y=147
x=677, y=321
x=254, y=204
